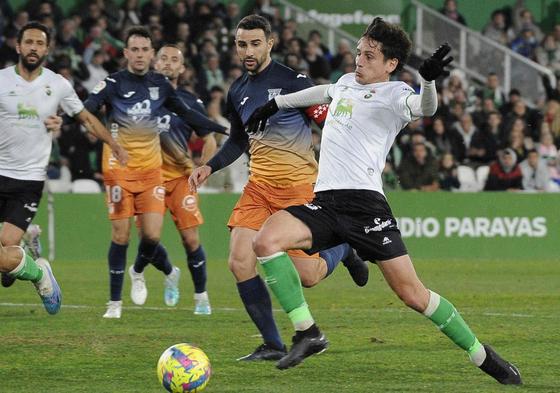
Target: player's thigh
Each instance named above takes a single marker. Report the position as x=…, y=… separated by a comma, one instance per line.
x=282, y=231
x=20, y=202
x=10, y=235
x=242, y=260
x=252, y=209
x=182, y=204
x=151, y=224
x=120, y=201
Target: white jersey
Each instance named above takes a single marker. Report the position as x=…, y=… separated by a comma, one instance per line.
x=25, y=143
x=361, y=126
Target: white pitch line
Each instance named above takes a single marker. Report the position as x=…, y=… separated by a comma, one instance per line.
x=234, y=309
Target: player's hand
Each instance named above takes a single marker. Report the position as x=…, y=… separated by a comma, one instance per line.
x=258, y=118
x=434, y=66
x=53, y=123
x=119, y=153
x=199, y=176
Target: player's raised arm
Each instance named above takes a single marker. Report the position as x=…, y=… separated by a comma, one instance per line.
x=425, y=103
x=304, y=98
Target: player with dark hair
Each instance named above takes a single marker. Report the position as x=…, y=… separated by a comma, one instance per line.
x=132, y=98
x=366, y=113
x=283, y=170
x=30, y=96
x=177, y=167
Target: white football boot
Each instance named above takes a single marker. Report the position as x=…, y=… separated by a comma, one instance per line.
x=114, y=309
x=138, y=290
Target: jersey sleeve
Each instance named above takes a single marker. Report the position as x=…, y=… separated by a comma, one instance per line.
x=70, y=103
x=98, y=96
x=400, y=104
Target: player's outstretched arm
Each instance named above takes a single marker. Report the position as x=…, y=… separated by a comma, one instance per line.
x=301, y=99
x=425, y=103
x=209, y=148
x=93, y=125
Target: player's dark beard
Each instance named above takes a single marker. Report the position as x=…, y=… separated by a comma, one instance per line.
x=32, y=66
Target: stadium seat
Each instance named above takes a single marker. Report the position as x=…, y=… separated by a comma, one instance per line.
x=482, y=175
x=85, y=186
x=62, y=184
x=467, y=178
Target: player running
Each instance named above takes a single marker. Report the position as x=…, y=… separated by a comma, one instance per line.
x=132, y=98
x=366, y=113
x=30, y=96
x=177, y=167
x=283, y=170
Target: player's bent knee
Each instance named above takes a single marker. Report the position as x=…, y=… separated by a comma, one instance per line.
x=309, y=281
x=412, y=298
x=265, y=245
x=242, y=269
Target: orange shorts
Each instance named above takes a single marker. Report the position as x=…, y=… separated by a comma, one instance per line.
x=182, y=203
x=127, y=198
x=259, y=201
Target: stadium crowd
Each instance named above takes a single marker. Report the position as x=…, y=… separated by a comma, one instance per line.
x=481, y=138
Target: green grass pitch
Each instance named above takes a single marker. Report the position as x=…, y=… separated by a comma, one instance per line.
x=376, y=344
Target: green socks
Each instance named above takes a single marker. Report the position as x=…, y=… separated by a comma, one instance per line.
x=283, y=279
x=441, y=312
x=27, y=270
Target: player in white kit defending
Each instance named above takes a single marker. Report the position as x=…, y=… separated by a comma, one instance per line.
x=30, y=96
x=366, y=112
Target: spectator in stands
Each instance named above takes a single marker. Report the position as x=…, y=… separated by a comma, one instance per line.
x=548, y=53
x=179, y=14
x=8, y=53
x=233, y=16
x=129, y=15
x=549, y=152
x=347, y=65
x=497, y=30
x=535, y=172
x=319, y=67
x=96, y=71
x=419, y=170
x=492, y=130
x=20, y=19
x=493, y=90
x=448, y=175
x=214, y=75
x=475, y=147
x=552, y=93
x=155, y=7
x=552, y=119
x=343, y=48
x=525, y=44
x=523, y=19
x=296, y=63
x=531, y=117
x=505, y=174
x=518, y=141
x=315, y=36
x=443, y=139
x=408, y=78
x=450, y=10
x=482, y=111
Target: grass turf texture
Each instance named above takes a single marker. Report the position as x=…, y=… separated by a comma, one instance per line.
x=376, y=344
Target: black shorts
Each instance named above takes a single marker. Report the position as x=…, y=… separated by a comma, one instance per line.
x=361, y=218
x=19, y=200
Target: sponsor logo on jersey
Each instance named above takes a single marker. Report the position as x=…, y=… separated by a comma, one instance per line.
x=189, y=203
x=48, y=90
x=301, y=76
x=273, y=93
x=26, y=112
x=159, y=193
x=100, y=86
x=140, y=110
x=344, y=108
x=164, y=123
x=154, y=93
x=379, y=225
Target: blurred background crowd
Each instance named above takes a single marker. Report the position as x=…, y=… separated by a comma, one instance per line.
x=481, y=138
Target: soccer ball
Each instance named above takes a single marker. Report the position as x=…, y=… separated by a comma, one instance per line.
x=183, y=368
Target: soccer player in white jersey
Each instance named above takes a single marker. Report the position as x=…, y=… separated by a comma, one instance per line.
x=366, y=112
x=30, y=96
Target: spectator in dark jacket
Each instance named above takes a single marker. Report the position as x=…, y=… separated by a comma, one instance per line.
x=419, y=171
x=505, y=174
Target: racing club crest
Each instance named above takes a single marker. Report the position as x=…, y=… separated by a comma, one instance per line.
x=154, y=93
x=273, y=93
